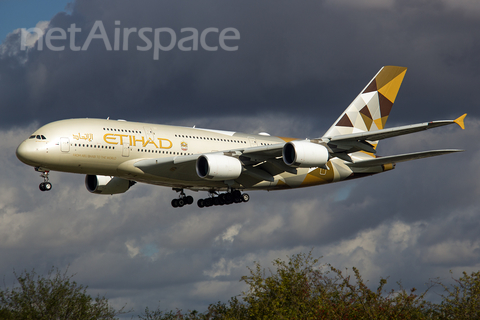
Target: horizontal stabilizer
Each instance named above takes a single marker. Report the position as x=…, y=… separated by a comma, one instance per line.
x=401, y=158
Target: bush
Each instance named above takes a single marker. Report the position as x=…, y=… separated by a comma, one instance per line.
x=461, y=300
x=300, y=288
x=53, y=297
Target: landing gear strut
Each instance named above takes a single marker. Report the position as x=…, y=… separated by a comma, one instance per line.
x=45, y=185
x=234, y=196
x=182, y=200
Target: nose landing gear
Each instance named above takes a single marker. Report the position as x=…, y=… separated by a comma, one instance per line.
x=183, y=200
x=45, y=185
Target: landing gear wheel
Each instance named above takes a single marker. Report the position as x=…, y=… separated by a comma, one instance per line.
x=175, y=203
x=208, y=202
x=45, y=186
x=228, y=198
x=245, y=197
x=181, y=202
x=201, y=203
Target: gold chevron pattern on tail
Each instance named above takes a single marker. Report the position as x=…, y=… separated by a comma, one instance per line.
x=371, y=108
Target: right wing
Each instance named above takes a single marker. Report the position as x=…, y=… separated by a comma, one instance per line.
x=260, y=163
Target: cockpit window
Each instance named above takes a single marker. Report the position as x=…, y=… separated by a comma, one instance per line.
x=38, y=137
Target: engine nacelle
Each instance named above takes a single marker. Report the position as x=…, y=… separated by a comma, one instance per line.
x=305, y=154
x=106, y=184
x=218, y=167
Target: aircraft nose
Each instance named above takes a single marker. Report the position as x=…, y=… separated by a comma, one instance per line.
x=25, y=153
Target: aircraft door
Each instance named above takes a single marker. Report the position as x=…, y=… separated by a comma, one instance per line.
x=253, y=141
x=126, y=149
x=64, y=144
x=149, y=133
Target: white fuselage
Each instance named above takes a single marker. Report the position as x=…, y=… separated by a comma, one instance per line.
x=111, y=148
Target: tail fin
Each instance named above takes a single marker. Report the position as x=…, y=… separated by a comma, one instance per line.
x=370, y=109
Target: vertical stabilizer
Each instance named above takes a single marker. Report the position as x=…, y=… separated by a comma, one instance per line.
x=370, y=109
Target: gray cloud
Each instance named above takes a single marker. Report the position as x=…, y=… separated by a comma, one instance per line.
x=413, y=223
x=308, y=58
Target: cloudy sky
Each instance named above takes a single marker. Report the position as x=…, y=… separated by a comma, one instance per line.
x=297, y=67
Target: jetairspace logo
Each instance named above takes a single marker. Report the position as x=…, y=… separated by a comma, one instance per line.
x=190, y=40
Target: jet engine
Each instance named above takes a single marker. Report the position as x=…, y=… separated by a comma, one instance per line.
x=305, y=154
x=107, y=184
x=218, y=167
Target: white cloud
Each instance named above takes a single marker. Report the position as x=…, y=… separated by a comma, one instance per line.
x=132, y=249
x=14, y=49
x=221, y=268
x=468, y=7
x=230, y=233
x=452, y=252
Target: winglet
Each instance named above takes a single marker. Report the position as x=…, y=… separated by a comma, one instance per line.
x=460, y=122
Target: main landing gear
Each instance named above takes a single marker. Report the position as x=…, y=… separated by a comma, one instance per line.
x=234, y=196
x=183, y=200
x=45, y=185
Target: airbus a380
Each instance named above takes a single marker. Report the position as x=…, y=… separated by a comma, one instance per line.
x=115, y=154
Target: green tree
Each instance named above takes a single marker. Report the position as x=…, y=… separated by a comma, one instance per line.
x=302, y=289
x=53, y=297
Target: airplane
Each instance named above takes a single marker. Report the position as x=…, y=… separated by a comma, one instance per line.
x=116, y=154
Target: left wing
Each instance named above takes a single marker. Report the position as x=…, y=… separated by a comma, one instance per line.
x=401, y=158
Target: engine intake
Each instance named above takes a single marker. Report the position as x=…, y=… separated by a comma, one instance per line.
x=218, y=167
x=107, y=184
x=305, y=154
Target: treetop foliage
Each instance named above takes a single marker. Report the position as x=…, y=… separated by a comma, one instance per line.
x=301, y=288
x=53, y=297
x=298, y=288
